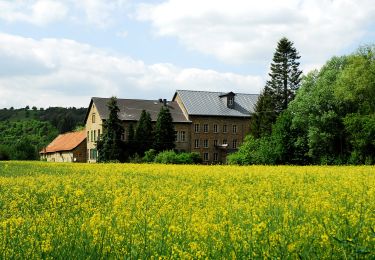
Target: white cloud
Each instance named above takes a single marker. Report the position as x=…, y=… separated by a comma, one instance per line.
x=240, y=31
x=43, y=12
x=60, y=72
x=39, y=12
x=101, y=12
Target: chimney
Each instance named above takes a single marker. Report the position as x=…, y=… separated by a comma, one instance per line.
x=164, y=102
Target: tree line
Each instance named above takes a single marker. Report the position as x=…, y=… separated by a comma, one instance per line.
x=25, y=131
x=325, y=117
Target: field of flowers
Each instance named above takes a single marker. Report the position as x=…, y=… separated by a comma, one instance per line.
x=76, y=211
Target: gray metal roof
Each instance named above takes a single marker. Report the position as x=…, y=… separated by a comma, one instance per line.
x=211, y=104
x=131, y=109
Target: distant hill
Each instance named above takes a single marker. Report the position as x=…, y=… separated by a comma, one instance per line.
x=64, y=119
x=24, y=132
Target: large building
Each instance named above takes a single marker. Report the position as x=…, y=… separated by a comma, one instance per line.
x=210, y=123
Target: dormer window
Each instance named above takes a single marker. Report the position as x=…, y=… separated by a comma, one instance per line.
x=228, y=98
x=230, y=101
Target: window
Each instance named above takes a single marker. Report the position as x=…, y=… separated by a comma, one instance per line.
x=234, y=129
x=205, y=128
x=88, y=154
x=215, y=128
x=215, y=142
x=88, y=136
x=182, y=136
x=196, y=128
x=93, y=118
x=225, y=141
x=196, y=143
x=93, y=154
x=94, y=135
x=234, y=143
x=224, y=128
x=175, y=136
x=216, y=156
x=205, y=156
x=205, y=143
x=230, y=101
x=98, y=134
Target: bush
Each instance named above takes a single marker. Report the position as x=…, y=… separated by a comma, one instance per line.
x=166, y=157
x=149, y=156
x=188, y=158
x=254, y=151
x=4, y=153
x=171, y=157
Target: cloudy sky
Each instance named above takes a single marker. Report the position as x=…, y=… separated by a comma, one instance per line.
x=62, y=52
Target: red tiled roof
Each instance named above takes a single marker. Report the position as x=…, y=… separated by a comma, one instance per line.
x=65, y=142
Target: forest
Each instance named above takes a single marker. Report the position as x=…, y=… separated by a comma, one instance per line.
x=331, y=119
x=24, y=131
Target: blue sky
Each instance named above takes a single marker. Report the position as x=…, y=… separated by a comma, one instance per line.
x=61, y=53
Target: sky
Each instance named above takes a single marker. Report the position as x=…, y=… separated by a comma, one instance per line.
x=63, y=52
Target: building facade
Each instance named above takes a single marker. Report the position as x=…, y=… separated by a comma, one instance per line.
x=212, y=124
x=219, y=121
x=68, y=147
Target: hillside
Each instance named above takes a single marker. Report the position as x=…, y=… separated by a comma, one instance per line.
x=23, y=132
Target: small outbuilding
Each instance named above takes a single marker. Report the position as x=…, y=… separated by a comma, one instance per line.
x=68, y=147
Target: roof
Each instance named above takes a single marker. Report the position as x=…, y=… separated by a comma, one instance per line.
x=65, y=142
x=213, y=103
x=131, y=109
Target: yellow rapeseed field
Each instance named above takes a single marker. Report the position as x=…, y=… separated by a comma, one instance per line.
x=80, y=211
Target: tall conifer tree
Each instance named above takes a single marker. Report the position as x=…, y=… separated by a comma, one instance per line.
x=143, y=133
x=110, y=144
x=285, y=77
x=164, y=131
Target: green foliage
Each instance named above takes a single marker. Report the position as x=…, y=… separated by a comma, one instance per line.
x=330, y=121
x=361, y=135
x=5, y=153
x=279, y=91
x=131, y=133
x=166, y=157
x=254, y=151
x=24, y=150
x=144, y=133
x=149, y=156
x=171, y=157
x=164, y=131
x=285, y=74
x=22, y=140
x=110, y=146
x=64, y=119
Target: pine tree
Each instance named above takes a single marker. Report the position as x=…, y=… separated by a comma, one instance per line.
x=143, y=133
x=164, y=131
x=264, y=116
x=131, y=133
x=285, y=74
x=110, y=145
x=279, y=90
